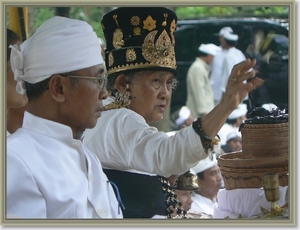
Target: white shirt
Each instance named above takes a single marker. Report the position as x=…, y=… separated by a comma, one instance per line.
x=246, y=202
x=232, y=57
x=216, y=74
x=52, y=175
x=123, y=140
x=203, y=204
x=200, y=96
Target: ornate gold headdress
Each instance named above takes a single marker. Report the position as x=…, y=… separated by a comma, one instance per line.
x=139, y=38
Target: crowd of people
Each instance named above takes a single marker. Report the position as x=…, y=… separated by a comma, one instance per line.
x=84, y=147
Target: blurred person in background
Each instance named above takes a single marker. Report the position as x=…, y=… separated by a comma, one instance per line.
x=232, y=57
x=233, y=122
x=216, y=66
x=233, y=142
x=185, y=197
x=181, y=118
x=210, y=181
x=200, y=96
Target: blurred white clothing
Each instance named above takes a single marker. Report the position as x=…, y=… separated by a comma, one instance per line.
x=203, y=204
x=232, y=57
x=216, y=75
x=246, y=202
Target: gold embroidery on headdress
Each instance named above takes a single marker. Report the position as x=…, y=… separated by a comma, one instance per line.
x=137, y=31
x=115, y=18
x=110, y=59
x=137, y=66
x=161, y=53
x=135, y=20
x=173, y=39
x=173, y=26
x=164, y=23
x=130, y=55
x=149, y=23
x=118, y=41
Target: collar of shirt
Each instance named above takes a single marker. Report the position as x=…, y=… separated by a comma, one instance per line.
x=46, y=127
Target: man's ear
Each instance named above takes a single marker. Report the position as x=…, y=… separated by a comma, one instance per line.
x=57, y=87
x=121, y=83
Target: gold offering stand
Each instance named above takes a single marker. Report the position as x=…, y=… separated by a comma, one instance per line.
x=272, y=194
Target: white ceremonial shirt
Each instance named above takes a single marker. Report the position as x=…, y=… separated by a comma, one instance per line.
x=216, y=75
x=200, y=96
x=246, y=201
x=232, y=57
x=52, y=175
x=123, y=140
x=203, y=204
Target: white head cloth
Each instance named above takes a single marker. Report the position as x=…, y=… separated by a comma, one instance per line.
x=205, y=164
x=225, y=29
x=210, y=49
x=59, y=45
x=240, y=111
x=231, y=37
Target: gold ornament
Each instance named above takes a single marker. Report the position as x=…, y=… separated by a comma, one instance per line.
x=118, y=41
x=161, y=53
x=137, y=31
x=110, y=59
x=173, y=26
x=130, y=55
x=135, y=20
x=149, y=23
x=164, y=23
x=115, y=18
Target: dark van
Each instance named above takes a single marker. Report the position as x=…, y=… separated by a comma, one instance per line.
x=191, y=33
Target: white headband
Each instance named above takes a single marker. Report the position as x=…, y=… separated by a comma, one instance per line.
x=59, y=45
x=224, y=30
x=240, y=111
x=210, y=49
x=231, y=37
x=205, y=164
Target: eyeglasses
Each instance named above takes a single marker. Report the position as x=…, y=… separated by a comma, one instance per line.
x=100, y=80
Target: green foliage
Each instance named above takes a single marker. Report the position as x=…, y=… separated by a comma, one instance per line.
x=198, y=12
x=41, y=14
x=93, y=15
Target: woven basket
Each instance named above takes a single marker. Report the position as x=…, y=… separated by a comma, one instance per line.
x=241, y=172
x=265, y=140
x=251, y=178
x=242, y=160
